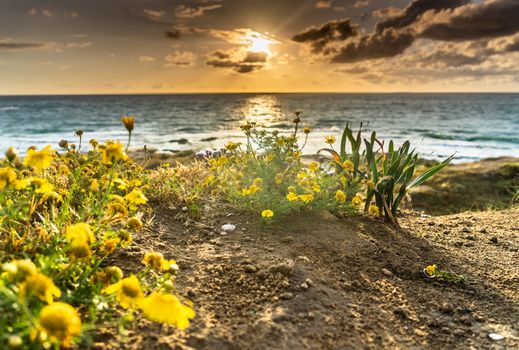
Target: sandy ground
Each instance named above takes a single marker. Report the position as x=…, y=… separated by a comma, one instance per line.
x=318, y=282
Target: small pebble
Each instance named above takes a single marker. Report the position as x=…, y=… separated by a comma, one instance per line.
x=309, y=281
x=386, y=272
x=228, y=227
x=483, y=230
x=286, y=296
x=496, y=336
x=250, y=268
x=304, y=286
x=465, y=229
x=493, y=240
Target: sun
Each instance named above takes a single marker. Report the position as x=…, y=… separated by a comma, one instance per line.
x=258, y=42
x=260, y=45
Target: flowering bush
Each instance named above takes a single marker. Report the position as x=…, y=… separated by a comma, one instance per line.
x=267, y=176
x=61, y=215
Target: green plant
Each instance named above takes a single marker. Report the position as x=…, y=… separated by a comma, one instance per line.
x=389, y=175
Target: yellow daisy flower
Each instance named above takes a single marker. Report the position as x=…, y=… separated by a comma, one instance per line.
x=39, y=160
x=127, y=291
x=340, y=196
x=167, y=308
x=267, y=214
x=59, y=323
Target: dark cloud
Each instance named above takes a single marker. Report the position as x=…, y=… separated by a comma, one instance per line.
x=476, y=21
x=443, y=20
x=416, y=9
x=319, y=38
x=11, y=45
x=173, y=34
x=252, y=61
x=386, y=44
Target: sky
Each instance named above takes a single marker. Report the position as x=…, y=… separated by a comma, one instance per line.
x=198, y=46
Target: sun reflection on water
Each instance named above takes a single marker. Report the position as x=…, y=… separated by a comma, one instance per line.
x=264, y=110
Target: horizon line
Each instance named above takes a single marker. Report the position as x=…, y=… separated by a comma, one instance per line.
x=258, y=92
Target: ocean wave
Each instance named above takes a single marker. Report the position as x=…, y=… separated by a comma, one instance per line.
x=505, y=139
x=438, y=136
x=9, y=108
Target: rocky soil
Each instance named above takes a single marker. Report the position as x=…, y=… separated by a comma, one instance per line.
x=318, y=282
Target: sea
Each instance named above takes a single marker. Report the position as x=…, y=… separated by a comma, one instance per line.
x=472, y=126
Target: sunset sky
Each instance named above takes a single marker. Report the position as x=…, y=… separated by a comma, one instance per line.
x=160, y=46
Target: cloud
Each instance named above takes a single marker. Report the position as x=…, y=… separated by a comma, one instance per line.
x=441, y=20
x=238, y=60
x=153, y=15
x=329, y=33
x=183, y=11
x=47, y=13
x=173, y=34
x=180, y=59
x=415, y=10
x=15, y=46
x=146, y=59
x=387, y=12
x=491, y=19
x=324, y=4
x=361, y=3
x=387, y=44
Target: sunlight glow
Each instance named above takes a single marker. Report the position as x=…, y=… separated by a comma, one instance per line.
x=258, y=42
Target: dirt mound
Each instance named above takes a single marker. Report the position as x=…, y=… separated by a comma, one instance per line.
x=319, y=282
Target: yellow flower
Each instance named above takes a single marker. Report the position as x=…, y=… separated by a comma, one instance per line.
x=258, y=182
x=94, y=143
x=307, y=198
x=59, y=323
x=136, y=197
x=291, y=197
x=374, y=210
x=231, y=146
x=156, y=260
x=127, y=291
x=7, y=177
x=128, y=122
x=245, y=192
x=316, y=188
x=41, y=287
x=22, y=184
x=167, y=308
x=109, y=275
x=39, y=160
x=253, y=189
x=134, y=223
x=94, y=186
x=19, y=270
x=307, y=130
x=348, y=166
x=313, y=166
x=357, y=200
x=79, y=249
x=340, y=196
x=430, y=270
x=329, y=139
x=80, y=232
x=279, y=178
x=297, y=155
x=109, y=245
x=267, y=214
x=301, y=175
x=291, y=189
x=41, y=185
x=11, y=154
x=113, y=152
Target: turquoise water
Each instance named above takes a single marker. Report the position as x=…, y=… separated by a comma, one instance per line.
x=473, y=125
